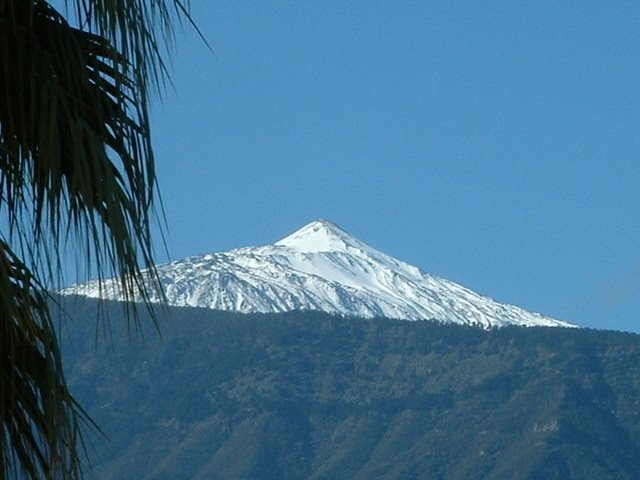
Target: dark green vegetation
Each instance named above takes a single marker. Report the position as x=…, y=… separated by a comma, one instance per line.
x=307, y=395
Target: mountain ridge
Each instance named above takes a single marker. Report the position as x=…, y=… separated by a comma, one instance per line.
x=322, y=267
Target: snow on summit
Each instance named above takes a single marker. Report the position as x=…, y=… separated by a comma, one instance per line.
x=322, y=267
x=320, y=236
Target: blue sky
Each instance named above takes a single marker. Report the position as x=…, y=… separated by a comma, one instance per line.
x=495, y=144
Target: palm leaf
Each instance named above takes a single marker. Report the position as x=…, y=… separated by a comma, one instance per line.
x=40, y=419
x=76, y=166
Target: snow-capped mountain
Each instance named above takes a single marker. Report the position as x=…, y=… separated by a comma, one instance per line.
x=321, y=267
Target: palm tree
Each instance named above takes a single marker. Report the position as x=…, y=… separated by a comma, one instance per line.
x=76, y=166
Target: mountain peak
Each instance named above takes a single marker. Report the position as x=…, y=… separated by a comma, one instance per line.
x=322, y=267
x=319, y=236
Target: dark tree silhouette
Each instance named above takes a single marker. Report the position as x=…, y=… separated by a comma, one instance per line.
x=76, y=166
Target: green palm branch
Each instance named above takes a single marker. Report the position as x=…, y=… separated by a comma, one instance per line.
x=76, y=165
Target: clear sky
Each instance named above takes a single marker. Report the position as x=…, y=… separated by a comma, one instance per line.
x=495, y=144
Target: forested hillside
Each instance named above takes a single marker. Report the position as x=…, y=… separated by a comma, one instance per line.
x=306, y=395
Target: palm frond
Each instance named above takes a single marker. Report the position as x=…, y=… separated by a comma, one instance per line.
x=40, y=421
x=76, y=149
x=76, y=165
